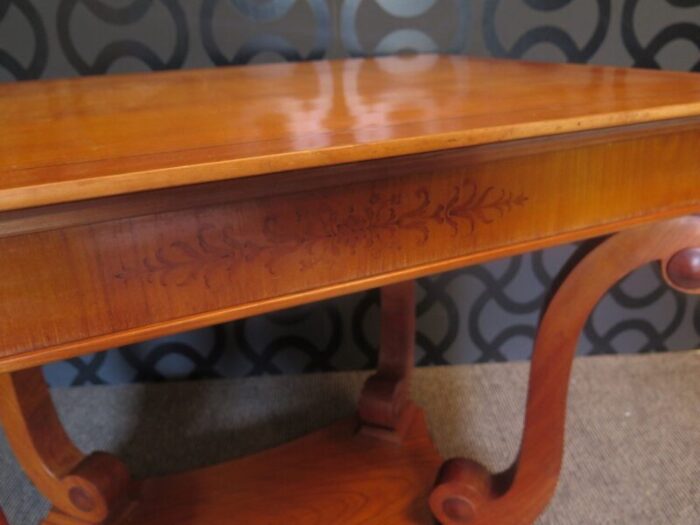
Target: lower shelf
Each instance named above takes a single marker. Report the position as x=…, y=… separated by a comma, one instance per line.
x=333, y=476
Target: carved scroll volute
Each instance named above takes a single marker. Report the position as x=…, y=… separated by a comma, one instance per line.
x=464, y=492
x=87, y=488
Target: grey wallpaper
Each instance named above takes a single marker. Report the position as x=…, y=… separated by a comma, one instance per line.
x=482, y=313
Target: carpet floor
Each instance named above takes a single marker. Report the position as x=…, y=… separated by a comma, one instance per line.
x=633, y=437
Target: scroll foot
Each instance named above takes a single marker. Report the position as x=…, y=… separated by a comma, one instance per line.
x=83, y=489
x=465, y=493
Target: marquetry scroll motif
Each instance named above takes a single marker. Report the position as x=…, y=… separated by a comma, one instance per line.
x=183, y=267
x=180, y=262
x=385, y=214
x=325, y=229
x=465, y=492
x=476, y=205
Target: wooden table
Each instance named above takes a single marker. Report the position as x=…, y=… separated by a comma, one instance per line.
x=136, y=206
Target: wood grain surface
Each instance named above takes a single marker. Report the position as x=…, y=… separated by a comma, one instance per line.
x=140, y=205
x=88, y=488
x=466, y=493
x=99, y=284
x=385, y=408
x=331, y=476
x=64, y=140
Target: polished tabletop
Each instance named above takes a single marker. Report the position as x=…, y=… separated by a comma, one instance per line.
x=65, y=140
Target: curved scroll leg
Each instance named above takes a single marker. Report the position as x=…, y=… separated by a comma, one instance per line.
x=83, y=489
x=465, y=492
x=385, y=408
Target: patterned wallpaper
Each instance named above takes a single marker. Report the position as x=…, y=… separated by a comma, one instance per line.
x=477, y=314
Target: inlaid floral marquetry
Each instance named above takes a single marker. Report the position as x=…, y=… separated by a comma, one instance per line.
x=122, y=220
x=236, y=249
x=328, y=229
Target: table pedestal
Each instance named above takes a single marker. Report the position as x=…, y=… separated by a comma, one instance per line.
x=376, y=468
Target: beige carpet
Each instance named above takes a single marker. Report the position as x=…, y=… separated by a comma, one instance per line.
x=633, y=448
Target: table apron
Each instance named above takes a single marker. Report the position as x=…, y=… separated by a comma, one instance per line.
x=86, y=287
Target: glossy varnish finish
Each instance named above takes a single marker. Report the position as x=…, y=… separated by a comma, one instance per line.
x=88, y=487
x=465, y=492
x=63, y=140
x=271, y=186
x=332, y=476
x=130, y=278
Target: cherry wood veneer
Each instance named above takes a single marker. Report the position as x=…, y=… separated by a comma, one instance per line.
x=125, y=279
x=64, y=140
x=465, y=492
x=141, y=205
x=331, y=476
